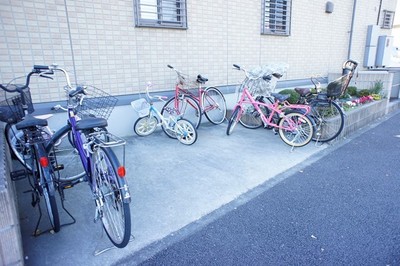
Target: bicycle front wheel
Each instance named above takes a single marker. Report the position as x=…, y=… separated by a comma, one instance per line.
x=111, y=196
x=295, y=129
x=144, y=126
x=64, y=157
x=18, y=146
x=329, y=119
x=183, y=106
x=250, y=117
x=214, y=105
x=233, y=120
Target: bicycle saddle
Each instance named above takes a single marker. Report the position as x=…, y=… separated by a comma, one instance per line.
x=91, y=122
x=302, y=91
x=201, y=79
x=30, y=121
x=280, y=97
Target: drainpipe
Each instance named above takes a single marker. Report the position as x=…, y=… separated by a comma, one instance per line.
x=351, y=29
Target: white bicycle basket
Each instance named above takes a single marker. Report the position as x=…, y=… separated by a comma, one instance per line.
x=141, y=106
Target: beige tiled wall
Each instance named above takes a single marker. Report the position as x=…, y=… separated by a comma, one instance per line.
x=98, y=43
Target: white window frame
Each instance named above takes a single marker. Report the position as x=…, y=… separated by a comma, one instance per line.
x=276, y=17
x=161, y=13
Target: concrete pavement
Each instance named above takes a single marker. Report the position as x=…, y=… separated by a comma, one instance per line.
x=172, y=186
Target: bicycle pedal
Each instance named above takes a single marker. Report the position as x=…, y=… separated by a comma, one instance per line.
x=18, y=174
x=67, y=186
x=58, y=167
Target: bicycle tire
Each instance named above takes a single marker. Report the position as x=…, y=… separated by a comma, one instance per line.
x=48, y=184
x=187, y=108
x=185, y=132
x=64, y=157
x=250, y=117
x=114, y=210
x=233, y=120
x=214, y=105
x=303, y=132
x=19, y=149
x=329, y=120
x=145, y=126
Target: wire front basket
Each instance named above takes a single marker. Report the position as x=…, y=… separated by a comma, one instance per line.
x=11, y=108
x=141, y=106
x=261, y=80
x=97, y=103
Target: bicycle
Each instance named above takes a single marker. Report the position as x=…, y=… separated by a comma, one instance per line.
x=293, y=125
x=325, y=109
x=260, y=82
x=191, y=106
x=95, y=146
x=149, y=117
x=19, y=149
x=16, y=111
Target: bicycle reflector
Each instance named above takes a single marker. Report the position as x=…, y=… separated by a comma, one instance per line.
x=44, y=162
x=121, y=171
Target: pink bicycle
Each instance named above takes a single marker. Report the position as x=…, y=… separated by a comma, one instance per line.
x=291, y=121
x=191, y=104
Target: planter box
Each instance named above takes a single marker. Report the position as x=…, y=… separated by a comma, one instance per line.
x=363, y=115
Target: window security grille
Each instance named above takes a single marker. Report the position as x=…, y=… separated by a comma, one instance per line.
x=276, y=17
x=388, y=17
x=160, y=13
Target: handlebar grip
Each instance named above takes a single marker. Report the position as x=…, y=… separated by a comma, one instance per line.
x=170, y=66
x=267, y=77
x=44, y=76
x=40, y=67
x=236, y=66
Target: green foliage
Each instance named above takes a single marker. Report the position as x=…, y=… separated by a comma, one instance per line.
x=364, y=92
x=346, y=96
x=352, y=90
x=294, y=96
x=377, y=88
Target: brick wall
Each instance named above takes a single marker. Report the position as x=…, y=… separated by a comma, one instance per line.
x=98, y=42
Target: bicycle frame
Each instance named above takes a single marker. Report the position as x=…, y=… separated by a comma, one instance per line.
x=198, y=97
x=275, y=108
x=163, y=120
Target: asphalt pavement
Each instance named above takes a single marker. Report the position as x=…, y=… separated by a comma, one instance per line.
x=342, y=209
x=240, y=199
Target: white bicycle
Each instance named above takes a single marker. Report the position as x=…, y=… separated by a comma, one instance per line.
x=150, y=118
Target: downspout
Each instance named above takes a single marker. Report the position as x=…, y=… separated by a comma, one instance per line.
x=351, y=29
x=70, y=41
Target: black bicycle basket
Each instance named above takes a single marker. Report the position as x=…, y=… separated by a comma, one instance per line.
x=11, y=109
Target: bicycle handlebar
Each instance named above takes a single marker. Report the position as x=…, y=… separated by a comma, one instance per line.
x=37, y=69
x=159, y=97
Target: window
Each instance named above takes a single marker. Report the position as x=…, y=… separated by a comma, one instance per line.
x=161, y=13
x=388, y=17
x=276, y=17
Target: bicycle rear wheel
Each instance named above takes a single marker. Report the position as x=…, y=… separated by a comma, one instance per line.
x=214, y=105
x=183, y=106
x=111, y=196
x=185, y=132
x=46, y=178
x=329, y=119
x=301, y=131
x=233, y=120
